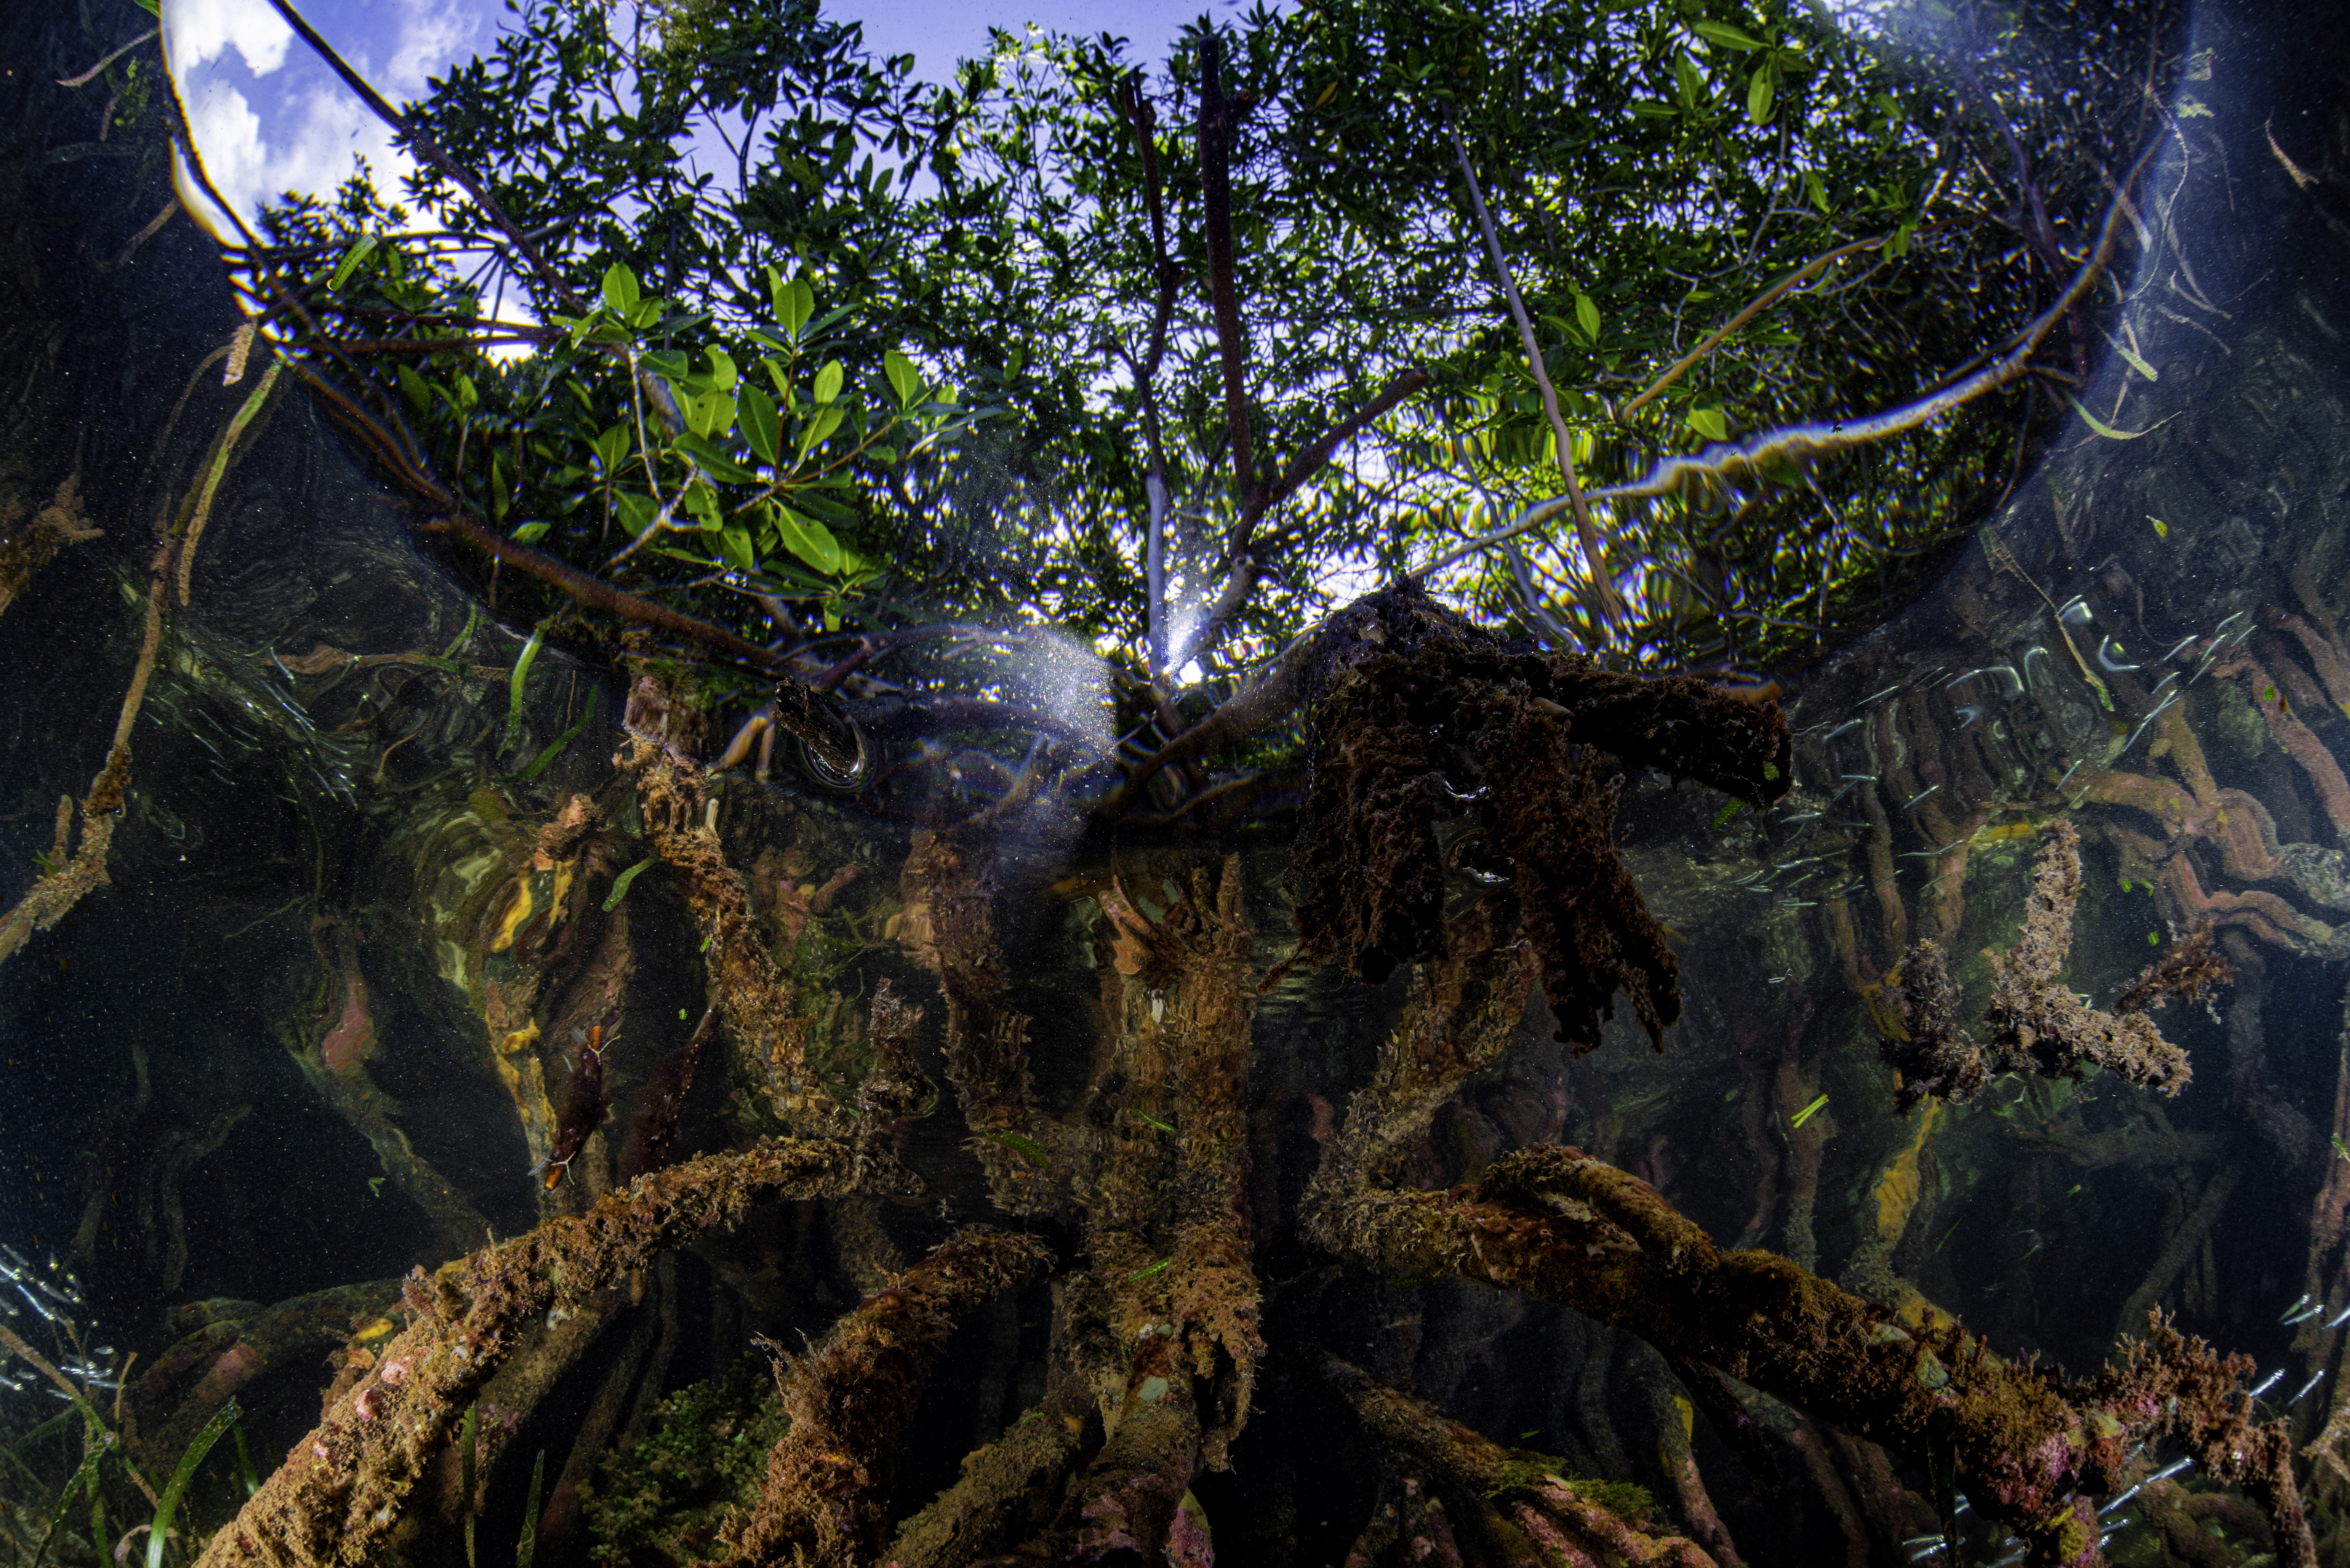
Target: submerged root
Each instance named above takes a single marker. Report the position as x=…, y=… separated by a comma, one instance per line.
x=1525, y=1488
x=2036, y=1023
x=851, y=1402
x=1421, y=719
x=337, y=1495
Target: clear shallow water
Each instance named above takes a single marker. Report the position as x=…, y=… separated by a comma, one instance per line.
x=313, y=1031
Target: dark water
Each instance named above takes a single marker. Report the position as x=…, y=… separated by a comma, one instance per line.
x=264, y=1070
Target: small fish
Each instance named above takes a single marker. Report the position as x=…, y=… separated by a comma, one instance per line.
x=1163, y=1264
x=1862, y=778
x=1801, y=816
x=2268, y=1382
x=1154, y=1121
x=2294, y=1308
x=2306, y=1313
x=1846, y=728
x=1800, y=904
x=2076, y=612
x=1889, y=692
x=582, y=1112
x=2105, y=659
x=2119, y=1499
x=1809, y=1112
x=2184, y=644
x=1972, y=715
x=2315, y=1379
x=2171, y=1470
x=2034, y=651
x=2149, y=719
x=2338, y=1318
x=1921, y=794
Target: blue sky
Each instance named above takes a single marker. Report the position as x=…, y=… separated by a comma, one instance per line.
x=269, y=117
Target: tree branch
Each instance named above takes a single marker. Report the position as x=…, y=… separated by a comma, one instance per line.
x=1219, y=118
x=1815, y=439
x=430, y=150
x=1586, y=533
x=1762, y=302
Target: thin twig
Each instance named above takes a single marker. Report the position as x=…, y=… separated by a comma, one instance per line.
x=1762, y=302
x=1585, y=532
x=1811, y=439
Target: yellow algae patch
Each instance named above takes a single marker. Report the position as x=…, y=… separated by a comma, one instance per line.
x=515, y=915
x=376, y=1329
x=1897, y=1190
x=1688, y=1413
x=520, y=1038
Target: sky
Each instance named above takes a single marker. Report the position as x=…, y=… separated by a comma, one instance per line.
x=269, y=117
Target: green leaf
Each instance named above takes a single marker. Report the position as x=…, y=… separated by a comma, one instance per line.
x=1728, y=36
x=761, y=426
x=2106, y=430
x=537, y=764
x=904, y=380
x=1759, y=90
x=711, y=414
x=1160, y=1267
x=169, y=1507
x=518, y=682
x=527, y=1547
x=621, y=883
x=1687, y=83
x=1586, y=316
x=350, y=262
x=638, y=513
x=721, y=367
x=469, y=1442
x=1816, y=189
x=611, y=447
x=809, y=539
x=736, y=543
x=1723, y=816
x=714, y=462
x=1020, y=1144
x=530, y=532
x=619, y=288
x=828, y=383
x=795, y=303
x=820, y=424
x=1709, y=423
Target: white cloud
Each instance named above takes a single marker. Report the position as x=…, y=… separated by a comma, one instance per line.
x=431, y=36
x=228, y=138
x=201, y=31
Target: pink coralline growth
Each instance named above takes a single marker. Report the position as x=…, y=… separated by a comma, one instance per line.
x=228, y=1374
x=353, y=1035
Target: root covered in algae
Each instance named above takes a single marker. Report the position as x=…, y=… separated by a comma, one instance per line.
x=1420, y=718
x=2035, y=1022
